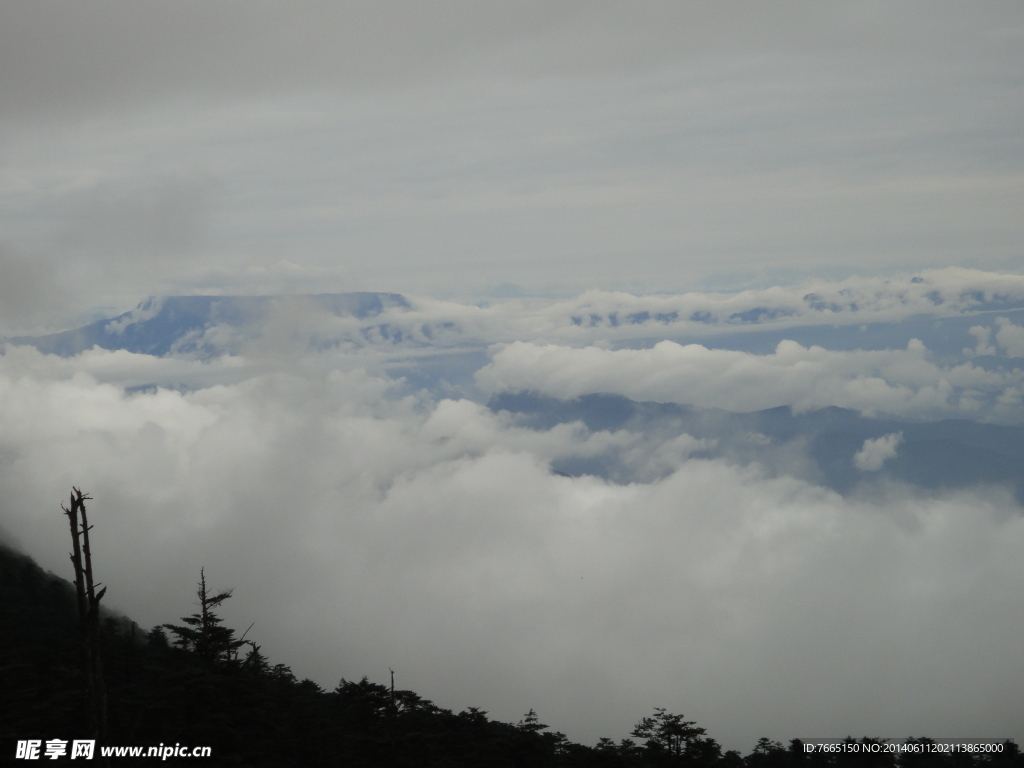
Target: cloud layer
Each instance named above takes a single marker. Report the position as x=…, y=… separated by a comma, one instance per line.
x=228, y=323
x=363, y=529
x=897, y=382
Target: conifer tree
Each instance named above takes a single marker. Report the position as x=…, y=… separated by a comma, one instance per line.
x=255, y=661
x=156, y=638
x=204, y=634
x=672, y=735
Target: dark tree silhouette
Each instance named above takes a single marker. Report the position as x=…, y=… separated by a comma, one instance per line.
x=156, y=638
x=203, y=633
x=531, y=723
x=88, y=613
x=255, y=661
x=678, y=741
x=770, y=754
x=668, y=732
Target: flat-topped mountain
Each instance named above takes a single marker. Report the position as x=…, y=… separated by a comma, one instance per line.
x=173, y=323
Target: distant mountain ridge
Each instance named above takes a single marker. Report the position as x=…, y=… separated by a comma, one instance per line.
x=160, y=325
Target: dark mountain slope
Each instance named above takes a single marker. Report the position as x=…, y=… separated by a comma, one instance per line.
x=253, y=714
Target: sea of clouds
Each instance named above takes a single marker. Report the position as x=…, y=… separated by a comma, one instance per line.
x=371, y=517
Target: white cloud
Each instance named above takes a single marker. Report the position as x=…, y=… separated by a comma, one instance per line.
x=127, y=369
x=616, y=316
x=1010, y=337
x=902, y=381
x=362, y=531
x=875, y=452
x=981, y=346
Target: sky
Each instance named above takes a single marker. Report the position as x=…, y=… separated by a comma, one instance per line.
x=452, y=147
x=714, y=204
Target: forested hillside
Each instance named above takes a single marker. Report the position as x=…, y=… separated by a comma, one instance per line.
x=197, y=684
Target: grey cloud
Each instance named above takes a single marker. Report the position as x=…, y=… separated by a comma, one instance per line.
x=118, y=54
x=131, y=223
x=99, y=237
x=32, y=292
x=657, y=175
x=122, y=52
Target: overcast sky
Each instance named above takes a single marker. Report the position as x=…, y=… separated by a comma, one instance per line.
x=592, y=154
x=451, y=147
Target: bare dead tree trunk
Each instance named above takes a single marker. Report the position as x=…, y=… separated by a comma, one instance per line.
x=392, y=711
x=392, y=689
x=88, y=615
